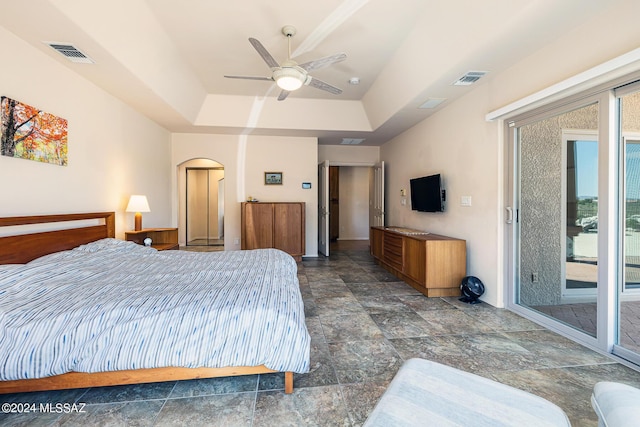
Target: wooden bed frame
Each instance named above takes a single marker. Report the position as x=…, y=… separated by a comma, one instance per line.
x=22, y=248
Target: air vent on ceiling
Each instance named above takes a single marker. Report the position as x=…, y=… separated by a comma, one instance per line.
x=71, y=52
x=469, y=78
x=351, y=141
x=432, y=103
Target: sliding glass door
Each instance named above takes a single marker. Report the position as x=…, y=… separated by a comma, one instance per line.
x=628, y=291
x=556, y=229
x=573, y=217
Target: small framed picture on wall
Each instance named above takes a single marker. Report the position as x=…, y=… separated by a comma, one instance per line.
x=273, y=178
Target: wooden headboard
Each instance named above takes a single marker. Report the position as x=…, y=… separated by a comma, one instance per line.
x=22, y=248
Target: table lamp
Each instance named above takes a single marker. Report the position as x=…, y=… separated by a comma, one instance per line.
x=138, y=204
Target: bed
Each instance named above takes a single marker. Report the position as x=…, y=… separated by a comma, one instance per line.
x=79, y=308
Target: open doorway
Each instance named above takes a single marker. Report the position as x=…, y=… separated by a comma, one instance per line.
x=204, y=203
x=348, y=200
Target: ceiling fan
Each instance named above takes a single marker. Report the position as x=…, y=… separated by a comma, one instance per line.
x=290, y=75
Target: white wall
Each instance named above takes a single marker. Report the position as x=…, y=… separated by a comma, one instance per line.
x=113, y=150
x=467, y=158
x=469, y=152
x=354, y=202
x=348, y=154
x=245, y=160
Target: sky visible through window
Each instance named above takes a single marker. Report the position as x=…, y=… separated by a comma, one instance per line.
x=633, y=169
x=587, y=169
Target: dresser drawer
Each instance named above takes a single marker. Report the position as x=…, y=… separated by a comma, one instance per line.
x=392, y=250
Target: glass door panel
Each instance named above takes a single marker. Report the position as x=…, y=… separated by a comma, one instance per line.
x=557, y=217
x=629, y=289
x=582, y=217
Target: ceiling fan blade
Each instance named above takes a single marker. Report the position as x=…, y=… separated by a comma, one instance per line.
x=283, y=95
x=319, y=84
x=271, y=62
x=250, y=78
x=323, y=62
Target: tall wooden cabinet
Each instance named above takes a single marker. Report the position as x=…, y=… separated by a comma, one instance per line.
x=432, y=264
x=279, y=225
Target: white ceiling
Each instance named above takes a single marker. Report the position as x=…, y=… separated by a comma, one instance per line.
x=167, y=58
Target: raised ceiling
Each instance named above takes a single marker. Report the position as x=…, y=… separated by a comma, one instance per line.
x=167, y=58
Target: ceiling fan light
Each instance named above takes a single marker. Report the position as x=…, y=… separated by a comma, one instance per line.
x=289, y=83
x=289, y=78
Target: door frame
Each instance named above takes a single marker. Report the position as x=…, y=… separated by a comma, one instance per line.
x=328, y=163
x=377, y=208
x=186, y=206
x=323, y=208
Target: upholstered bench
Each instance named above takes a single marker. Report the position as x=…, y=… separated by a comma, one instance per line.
x=617, y=405
x=425, y=393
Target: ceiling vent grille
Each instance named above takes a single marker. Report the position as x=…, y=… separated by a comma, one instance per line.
x=352, y=141
x=432, y=103
x=71, y=52
x=469, y=78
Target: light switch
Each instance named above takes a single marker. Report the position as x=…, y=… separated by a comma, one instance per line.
x=465, y=201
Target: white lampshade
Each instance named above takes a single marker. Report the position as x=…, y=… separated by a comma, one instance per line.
x=138, y=203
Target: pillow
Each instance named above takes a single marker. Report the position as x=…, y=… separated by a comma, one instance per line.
x=111, y=244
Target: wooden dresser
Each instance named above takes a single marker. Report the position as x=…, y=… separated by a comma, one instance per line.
x=279, y=225
x=432, y=264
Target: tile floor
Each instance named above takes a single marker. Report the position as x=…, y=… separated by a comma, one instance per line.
x=583, y=316
x=364, y=324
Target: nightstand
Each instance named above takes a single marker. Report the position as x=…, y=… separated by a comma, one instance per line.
x=162, y=238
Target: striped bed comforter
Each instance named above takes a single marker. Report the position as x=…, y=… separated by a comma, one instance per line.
x=115, y=305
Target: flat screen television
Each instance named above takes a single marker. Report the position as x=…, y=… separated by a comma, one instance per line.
x=427, y=194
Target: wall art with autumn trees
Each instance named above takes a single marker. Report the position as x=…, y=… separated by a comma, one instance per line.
x=29, y=133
